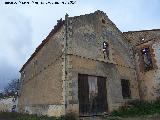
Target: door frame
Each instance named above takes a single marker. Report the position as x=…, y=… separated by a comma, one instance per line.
x=80, y=99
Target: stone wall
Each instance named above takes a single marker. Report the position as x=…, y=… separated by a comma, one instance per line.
x=148, y=80
x=50, y=78
x=86, y=34
x=82, y=65
x=42, y=83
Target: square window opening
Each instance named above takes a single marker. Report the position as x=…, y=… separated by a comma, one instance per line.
x=126, y=92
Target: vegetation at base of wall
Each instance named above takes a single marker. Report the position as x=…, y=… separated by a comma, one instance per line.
x=131, y=109
x=18, y=116
x=138, y=108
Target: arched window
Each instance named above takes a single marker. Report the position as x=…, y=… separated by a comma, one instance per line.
x=106, y=50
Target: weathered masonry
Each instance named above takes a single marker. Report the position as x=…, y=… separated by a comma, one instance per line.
x=86, y=65
x=146, y=46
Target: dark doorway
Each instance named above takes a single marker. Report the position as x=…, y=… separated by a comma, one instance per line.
x=92, y=95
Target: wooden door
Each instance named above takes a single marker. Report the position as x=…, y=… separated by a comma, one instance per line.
x=92, y=95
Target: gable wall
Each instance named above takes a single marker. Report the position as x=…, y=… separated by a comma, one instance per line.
x=86, y=35
x=42, y=84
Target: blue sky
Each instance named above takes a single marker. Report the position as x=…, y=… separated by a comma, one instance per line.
x=23, y=27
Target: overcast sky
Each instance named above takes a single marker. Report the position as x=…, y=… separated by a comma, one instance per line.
x=23, y=27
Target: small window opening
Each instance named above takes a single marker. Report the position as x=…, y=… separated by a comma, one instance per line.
x=106, y=50
x=126, y=92
x=142, y=39
x=103, y=21
x=23, y=74
x=147, y=59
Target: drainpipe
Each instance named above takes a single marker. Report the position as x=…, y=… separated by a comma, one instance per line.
x=65, y=59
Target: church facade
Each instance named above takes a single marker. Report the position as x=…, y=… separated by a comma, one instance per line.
x=87, y=66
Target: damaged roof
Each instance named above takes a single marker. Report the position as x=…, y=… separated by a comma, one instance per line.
x=143, y=30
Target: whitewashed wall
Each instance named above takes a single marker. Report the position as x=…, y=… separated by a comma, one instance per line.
x=6, y=104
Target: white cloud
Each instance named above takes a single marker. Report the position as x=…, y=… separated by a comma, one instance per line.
x=16, y=35
x=23, y=27
x=16, y=44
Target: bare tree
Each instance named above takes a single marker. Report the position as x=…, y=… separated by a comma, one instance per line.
x=11, y=88
x=1, y=95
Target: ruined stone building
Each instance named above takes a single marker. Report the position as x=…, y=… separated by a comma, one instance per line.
x=87, y=66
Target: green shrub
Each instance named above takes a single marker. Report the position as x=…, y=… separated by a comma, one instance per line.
x=19, y=116
x=69, y=116
x=138, y=108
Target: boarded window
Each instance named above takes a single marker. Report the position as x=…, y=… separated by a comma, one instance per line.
x=126, y=92
x=147, y=59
